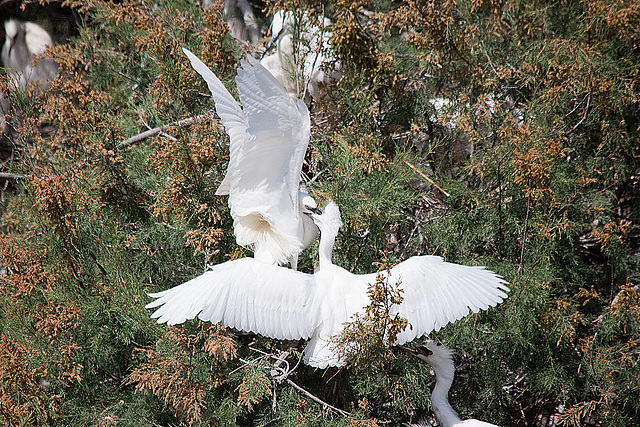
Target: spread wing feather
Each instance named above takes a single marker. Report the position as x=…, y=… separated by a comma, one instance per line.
x=231, y=115
x=436, y=293
x=245, y=294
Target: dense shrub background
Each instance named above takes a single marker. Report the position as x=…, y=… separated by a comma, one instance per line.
x=532, y=170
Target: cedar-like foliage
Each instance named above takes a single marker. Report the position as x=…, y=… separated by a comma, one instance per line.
x=501, y=133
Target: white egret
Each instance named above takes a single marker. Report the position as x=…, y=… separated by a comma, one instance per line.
x=440, y=358
x=268, y=140
x=280, y=303
x=240, y=19
x=311, y=51
x=23, y=41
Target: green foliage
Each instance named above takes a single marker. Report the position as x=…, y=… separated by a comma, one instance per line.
x=531, y=169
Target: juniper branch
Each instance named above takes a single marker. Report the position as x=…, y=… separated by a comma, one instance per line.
x=584, y=116
x=7, y=175
x=426, y=177
x=155, y=131
x=316, y=399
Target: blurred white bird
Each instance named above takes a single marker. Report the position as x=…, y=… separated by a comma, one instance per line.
x=440, y=358
x=280, y=303
x=311, y=50
x=23, y=41
x=268, y=140
x=240, y=19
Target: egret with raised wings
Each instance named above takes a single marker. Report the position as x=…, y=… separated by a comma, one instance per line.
x=280, y=303
x=440, y=358
x=268, y=136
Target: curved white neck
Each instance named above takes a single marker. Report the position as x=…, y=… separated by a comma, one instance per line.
x=327, y=240
x=445, y=414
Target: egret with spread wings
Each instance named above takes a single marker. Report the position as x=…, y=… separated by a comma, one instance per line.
x=268, y=136
x=277, y=302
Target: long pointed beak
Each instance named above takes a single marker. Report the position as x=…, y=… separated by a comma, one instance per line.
x=408, y=349
x=418, y=351
x=312, y=211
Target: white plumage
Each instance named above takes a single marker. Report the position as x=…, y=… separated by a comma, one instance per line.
x=440, y=358
x=318, y=68
x=269, y=136
x=23, y=41
x=280, y=303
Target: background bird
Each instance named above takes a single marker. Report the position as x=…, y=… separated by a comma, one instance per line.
x=280, y=303
x=269, y=136
x=23, y=41
x=440, y=358
x=296, y=40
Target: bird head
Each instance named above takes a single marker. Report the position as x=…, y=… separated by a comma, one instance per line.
x=431, y=351
x=306, y=201
x=11, y=28
x=420, y=351
x=327, y=219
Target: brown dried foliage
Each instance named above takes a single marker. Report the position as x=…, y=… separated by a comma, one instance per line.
x=54, y=320
x=21, y=398
x=367, y=339
x=25, y=273
x=56, y=200
x=534, y=159
x=190, y=165
x=169, y=378
x=172, y=378
x=562, y=320
x=627, y=301
x=253, y=389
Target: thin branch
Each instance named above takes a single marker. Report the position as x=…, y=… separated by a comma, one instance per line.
x=317, y=176
x=427, y=178
x=493, y=68
x=317, y=400
x=524, y=233
x=584, y=116
x=144, y=122
x=155, y=131
x=7, y=175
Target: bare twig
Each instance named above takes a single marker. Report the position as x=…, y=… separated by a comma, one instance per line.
x=584, y=116
x=524, y=233
x=279, y=374
x=317, y=400
x=7, y=175
x=493, y=68
x=317, y=176
x=166, y=135
x=155, y=131
x=427, y=178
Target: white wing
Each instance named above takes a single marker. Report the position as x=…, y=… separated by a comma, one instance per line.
x=245, y=294
x=265, y=181
x=231, y=115
x=437, y=293
x=281, y=128
x=268, y=142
